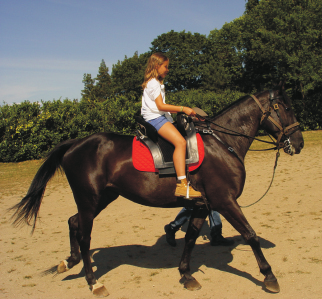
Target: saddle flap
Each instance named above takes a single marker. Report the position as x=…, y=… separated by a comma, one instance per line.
x=144, y=156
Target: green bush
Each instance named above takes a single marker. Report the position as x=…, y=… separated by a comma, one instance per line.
x=211, y=102
x=17, y=135
x=29, y=130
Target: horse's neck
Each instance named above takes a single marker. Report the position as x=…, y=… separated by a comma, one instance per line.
x=243, y=117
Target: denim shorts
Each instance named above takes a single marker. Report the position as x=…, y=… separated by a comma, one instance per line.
x=158, y=122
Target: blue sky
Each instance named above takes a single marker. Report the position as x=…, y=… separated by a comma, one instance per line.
x=47, y=45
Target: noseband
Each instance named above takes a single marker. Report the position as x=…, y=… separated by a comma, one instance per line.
x=284, y=132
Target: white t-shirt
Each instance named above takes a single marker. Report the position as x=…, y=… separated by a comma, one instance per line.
x=149, y=108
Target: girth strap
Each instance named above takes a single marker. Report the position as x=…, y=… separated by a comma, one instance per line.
x=211, y=132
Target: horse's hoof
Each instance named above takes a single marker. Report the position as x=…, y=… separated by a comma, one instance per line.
x=272, y=286
x=192, y=285
x=62, y=267
x=99, y=290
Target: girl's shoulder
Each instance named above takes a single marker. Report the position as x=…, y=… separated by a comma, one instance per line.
x=153, y=83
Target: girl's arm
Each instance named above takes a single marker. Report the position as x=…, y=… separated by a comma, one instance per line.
x=171, y=108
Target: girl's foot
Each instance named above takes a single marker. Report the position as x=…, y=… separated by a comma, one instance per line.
x=181, y=190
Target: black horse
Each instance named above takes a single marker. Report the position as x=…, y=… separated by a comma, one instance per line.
x=99, y=169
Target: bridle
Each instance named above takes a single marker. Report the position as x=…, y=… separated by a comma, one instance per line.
x=283, y=140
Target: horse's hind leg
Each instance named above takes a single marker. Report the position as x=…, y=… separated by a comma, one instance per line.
x=80, y=228
x=197, y=219
x=83, y=235
x=75, y=255
x=236, y=218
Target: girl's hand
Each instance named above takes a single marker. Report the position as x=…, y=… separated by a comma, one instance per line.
x=188, y=111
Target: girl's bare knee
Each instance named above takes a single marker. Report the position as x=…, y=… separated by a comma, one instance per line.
x=181, y=143
x=184, y=142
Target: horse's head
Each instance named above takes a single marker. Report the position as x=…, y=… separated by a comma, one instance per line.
x=279, y=120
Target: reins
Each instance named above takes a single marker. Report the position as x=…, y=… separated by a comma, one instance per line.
x=234, y=133
x=230, y=149
x=270, y=185
x=266, y=115
x=284, y=131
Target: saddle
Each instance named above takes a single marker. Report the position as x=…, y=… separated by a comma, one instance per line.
x=149, y=145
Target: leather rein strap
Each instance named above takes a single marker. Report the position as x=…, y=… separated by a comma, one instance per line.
x=267, y=115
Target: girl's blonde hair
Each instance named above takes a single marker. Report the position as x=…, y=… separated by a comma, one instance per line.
x=155, y=61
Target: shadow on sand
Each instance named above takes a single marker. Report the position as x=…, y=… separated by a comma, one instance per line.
x=162, y=255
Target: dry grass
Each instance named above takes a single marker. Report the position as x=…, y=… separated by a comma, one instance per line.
x=17, y=177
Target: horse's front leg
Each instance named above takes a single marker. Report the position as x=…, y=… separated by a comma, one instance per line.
x=236, y=218
x=196, y=221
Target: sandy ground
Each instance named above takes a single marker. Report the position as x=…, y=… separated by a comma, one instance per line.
x=133, y=260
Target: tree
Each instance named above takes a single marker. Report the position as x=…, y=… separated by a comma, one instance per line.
x=188, y=56
x=282, y=39
x=251, y=4
x=103, y=84
x=97, y=89
x=225, y=67
x=88, y=91
x=128, y=75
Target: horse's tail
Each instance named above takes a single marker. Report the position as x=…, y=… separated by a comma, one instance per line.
x=26, y=211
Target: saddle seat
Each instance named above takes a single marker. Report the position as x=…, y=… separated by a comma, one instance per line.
x=149, y=145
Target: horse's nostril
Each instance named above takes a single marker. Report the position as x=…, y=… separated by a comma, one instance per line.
x=302, y=144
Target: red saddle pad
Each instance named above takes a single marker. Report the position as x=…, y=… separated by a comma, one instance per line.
x=143, y=160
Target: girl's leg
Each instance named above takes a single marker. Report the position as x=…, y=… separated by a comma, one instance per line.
x=169, y=132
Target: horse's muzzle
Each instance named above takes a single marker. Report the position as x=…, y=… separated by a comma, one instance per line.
x=288, y=147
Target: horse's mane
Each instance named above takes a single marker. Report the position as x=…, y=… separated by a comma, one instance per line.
x=219, y=114
x=237, y=102
x=231, y=105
